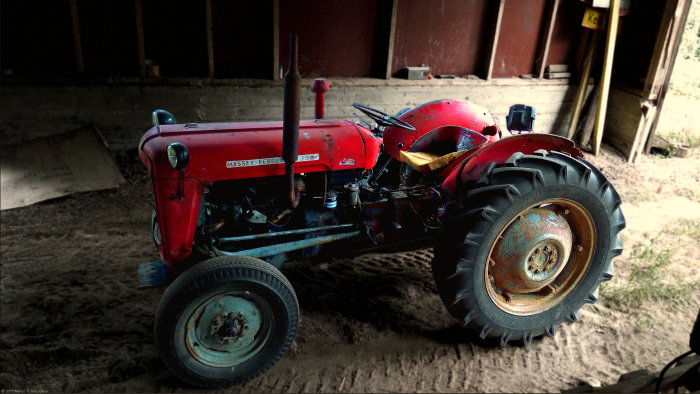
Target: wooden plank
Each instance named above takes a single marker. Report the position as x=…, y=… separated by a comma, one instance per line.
x=493, y=43
x=680, y=17
x=139, y=38
x=546, y=38
x=392, y=33
x=659, y=62
x=210, y=39
x=648, y=110
x=275, y=40
x=557, y=75
x=583, y=85
x=613, y=19
x=76, y=37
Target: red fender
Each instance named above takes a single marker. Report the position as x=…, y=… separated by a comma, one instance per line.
x=471, y=167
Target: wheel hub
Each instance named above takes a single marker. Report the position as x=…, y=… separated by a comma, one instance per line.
x=228, y=328
x=531, y=252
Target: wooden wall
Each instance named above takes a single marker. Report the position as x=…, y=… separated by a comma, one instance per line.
x=249, y=39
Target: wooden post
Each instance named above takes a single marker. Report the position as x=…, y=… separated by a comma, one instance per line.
x=493, y=43
x=659, y=61
x=139, y=38
x=680, y=18
x=210, y=39
x=275, y=40
x=613, y=18
x=546, y=39
x=583, y=85
x=76, y=37
x=392, y=32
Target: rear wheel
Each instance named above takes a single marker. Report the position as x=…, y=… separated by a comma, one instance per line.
x=529, y=244
x=225, y=321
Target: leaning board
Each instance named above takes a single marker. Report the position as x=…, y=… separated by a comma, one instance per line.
x=55, y=166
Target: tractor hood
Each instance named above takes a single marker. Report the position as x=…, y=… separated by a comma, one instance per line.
x=224, y=151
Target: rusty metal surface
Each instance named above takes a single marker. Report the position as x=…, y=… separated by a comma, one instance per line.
x=540, y=256
x=532, y=251
x=290, y=125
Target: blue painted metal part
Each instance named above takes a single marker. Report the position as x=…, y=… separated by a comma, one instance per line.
x=532, y=251
x=154, y=274
x=228, y=329
x=272, y=250
x=280, y=233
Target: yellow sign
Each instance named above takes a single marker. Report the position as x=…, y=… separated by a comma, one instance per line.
x=593, y=19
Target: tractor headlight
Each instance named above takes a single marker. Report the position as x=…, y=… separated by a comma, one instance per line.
x=178, y=156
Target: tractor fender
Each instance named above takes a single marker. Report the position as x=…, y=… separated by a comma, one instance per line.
x=471, y=167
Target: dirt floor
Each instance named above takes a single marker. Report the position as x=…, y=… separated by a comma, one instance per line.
x=73, y=320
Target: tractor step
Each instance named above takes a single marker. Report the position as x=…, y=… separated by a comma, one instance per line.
x=154, y=274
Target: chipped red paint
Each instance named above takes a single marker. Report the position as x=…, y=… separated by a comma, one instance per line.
x=430, y=116
x=471, y=166
x=227, y=151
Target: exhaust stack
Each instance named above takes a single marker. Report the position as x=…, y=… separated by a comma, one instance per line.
x=290, y=125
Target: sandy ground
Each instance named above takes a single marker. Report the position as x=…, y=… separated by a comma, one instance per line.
x=73, y=320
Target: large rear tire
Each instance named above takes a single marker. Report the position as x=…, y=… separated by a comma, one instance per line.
x=225, y=321
x=527, y=245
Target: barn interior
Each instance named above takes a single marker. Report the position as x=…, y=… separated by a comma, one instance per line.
x=72, y=318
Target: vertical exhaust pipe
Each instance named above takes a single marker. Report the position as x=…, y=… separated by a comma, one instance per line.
x=290, y=125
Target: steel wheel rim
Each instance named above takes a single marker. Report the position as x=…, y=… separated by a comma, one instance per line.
x=228, y=329
x=561, y=279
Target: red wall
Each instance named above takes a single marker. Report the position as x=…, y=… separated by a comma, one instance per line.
x=567, y=29
x=519, y=38
x=445, y=35
x=336, y=39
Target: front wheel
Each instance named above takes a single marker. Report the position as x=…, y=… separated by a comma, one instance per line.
x=529, y=244
x=225, y=321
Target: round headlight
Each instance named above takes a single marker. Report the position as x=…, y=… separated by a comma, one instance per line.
x=178, y=156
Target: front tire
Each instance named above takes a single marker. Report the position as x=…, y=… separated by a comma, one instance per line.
x=225, y=321
x=528, y=244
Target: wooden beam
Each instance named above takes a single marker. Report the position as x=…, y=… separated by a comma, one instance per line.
x=275, y=40
x=546, y=39
x=210, y=39
x=680, y=18
x=493, y=43
x=613, y=19
x=583, y=85
x=659, y=60
x=77, y=45
x=392, y=33
x=139, y=38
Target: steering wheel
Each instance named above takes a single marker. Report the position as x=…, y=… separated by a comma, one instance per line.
x=383, y=119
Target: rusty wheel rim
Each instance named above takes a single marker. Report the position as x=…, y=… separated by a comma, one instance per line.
x=540, y=256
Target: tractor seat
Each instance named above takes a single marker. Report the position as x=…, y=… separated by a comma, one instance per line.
x=440, y=146
x=426, y=161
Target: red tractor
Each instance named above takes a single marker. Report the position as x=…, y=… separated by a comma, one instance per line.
x=524, y=230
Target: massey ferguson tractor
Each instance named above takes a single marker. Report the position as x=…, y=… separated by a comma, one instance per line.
x=523, y=229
